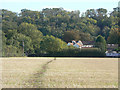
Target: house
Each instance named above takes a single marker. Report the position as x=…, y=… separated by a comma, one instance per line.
x=117, y=9
x=112, y=53
x=88, y=44
x=111, y=47
x=110, y=50
x=82, y=44
x=78, y=44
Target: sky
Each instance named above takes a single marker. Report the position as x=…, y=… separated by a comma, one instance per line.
x=70, y=5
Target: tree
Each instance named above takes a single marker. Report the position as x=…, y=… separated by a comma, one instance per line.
x=85, y=37
x=9, y=15
x=31, y=31
x=90, y=13
x=33, y=26
x=105, y=32
x=11, y=33
x=3, y=38
x=71, y=35
x=101, y=43
x=2, y=42
x=28, y=46
x=8, y=25
x=12, y=51
x=26, y=28
x=92, y=29
x=101, y=12
x=50, y=44
x=114, y=36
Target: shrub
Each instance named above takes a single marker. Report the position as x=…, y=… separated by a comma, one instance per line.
x=75, y=52
x=101, y=43
x=11, y=51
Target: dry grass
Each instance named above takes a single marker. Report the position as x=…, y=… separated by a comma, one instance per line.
x=0, y=74
x=18, y=72
x=82, y=73
x=61, y=73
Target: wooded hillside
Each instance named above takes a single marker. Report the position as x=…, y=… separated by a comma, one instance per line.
x=50, y=29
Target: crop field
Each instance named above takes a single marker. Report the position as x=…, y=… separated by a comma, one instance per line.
x=59, y=73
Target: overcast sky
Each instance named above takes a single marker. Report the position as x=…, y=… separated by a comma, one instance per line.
x=82, y=5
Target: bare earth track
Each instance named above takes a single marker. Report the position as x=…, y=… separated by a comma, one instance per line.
x=60, y=73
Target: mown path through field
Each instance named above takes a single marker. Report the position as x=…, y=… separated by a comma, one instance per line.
x=35, y=80
x=20, y=72
x=60, y=73
x=81, y=73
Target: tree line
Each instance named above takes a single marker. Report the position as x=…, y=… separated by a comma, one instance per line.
x=48, y=31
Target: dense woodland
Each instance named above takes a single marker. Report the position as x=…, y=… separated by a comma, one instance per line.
x=48, y=31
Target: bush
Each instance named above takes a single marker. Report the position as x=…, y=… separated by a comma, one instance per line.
x=11, y=51
x=101, y=43
x=82, y=52
x=50, y=44
x=75, y=52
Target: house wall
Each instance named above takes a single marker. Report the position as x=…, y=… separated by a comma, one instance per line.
x=76, y=45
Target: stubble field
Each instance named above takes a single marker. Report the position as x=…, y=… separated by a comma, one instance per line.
x=59, y=73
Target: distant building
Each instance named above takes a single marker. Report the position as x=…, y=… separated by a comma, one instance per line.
x=88, y=44
x=111, y=47
x=81, y=44
x=78, y=44
x=74, y=42
x=110, y=50
x=112, y=53
x=117, y=9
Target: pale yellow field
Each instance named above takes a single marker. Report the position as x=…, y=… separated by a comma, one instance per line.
x=60, y=73
x=20, y=72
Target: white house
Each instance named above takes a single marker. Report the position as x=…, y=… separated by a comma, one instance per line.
x=112, y=53
x=87, y=46
x=78, y=44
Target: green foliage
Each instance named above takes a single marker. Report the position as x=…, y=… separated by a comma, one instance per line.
x=105, y=32
x=20, y=38
x=76, y=35
x=71, y=35
x=85, y=37
x=11, y=33
x=11, y=51
x=101, y=43
x=3, y=38
x=114, y=36
x=8, y=15
x=32, y=28
x=50, y=44
x=8, y=25
x=27, y=29
x=31, y=31
x=75, y=52
x=117, y=49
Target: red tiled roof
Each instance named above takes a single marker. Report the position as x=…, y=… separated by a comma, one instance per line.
x=78, y=44
x=71, y=43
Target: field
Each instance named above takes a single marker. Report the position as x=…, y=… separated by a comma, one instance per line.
x=59, y=73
